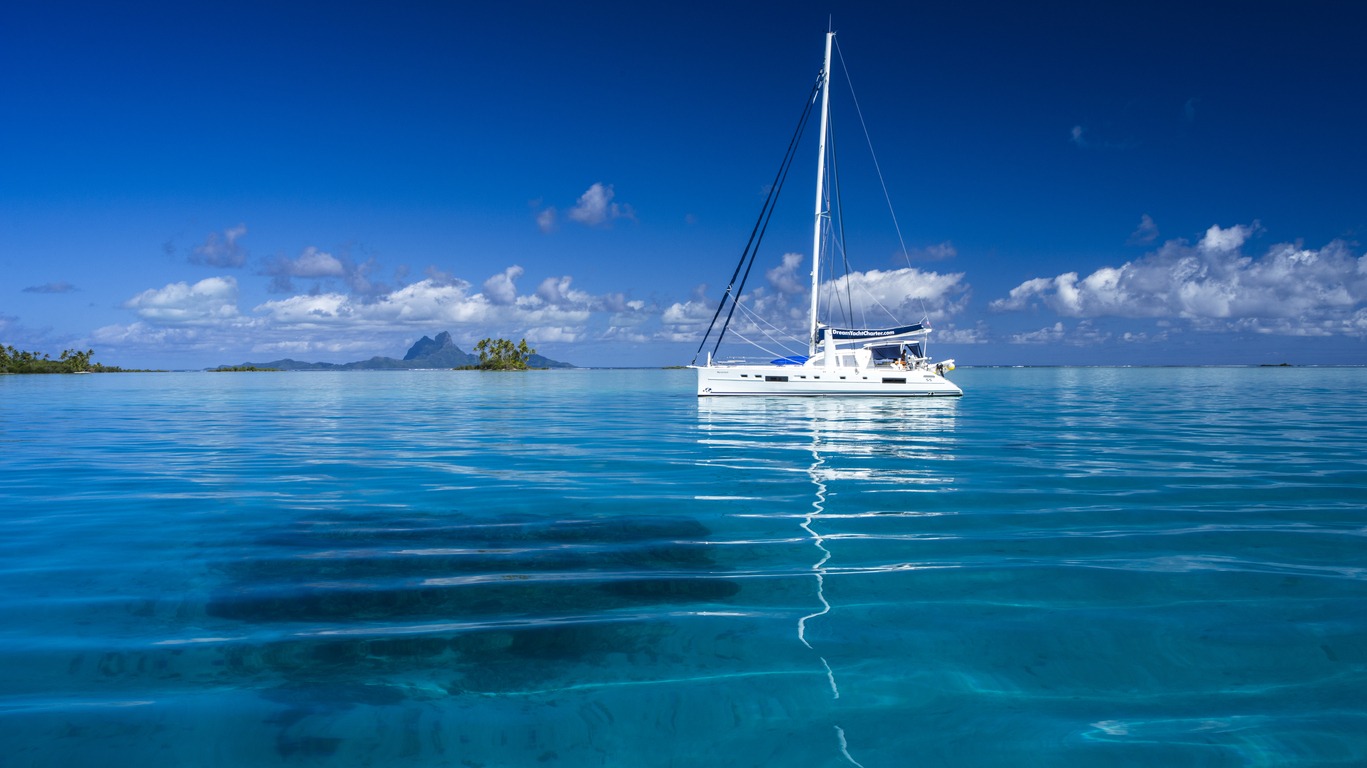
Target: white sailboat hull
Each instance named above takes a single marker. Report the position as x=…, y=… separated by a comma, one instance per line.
x=835, y=381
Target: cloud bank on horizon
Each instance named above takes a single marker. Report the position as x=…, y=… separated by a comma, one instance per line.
x=1211, y=286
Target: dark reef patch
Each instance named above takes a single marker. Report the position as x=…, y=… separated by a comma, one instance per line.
x=467, y=605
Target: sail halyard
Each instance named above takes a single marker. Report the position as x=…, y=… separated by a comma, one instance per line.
x=821, y=211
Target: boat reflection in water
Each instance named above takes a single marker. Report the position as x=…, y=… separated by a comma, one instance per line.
x=836, y=495
x=890, y=442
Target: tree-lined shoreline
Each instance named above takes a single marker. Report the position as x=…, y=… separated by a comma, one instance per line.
x=70, y=361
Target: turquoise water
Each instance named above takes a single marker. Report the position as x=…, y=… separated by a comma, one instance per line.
x=1066, y=567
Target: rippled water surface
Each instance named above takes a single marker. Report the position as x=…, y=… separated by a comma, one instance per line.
x=1066, y=567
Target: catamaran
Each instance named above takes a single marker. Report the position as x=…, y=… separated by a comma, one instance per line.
x=883, y=362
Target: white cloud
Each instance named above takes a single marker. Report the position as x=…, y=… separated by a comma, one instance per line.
x=1084, y=334
x=335, y=319
x=555, y=334
x=429, y=303
x=210, y=300
x=150, y=335
x=502, y=288
x=879, y=298
x=315, y=263
x=595, y=207
x=951, y=335
x=900, y=293
x=687, y=312
x=1224, y=240
x=1049, y=335
x=686, y=320
x=204, y=316
x=786, y=278
x=221, y=250
x=308, y=311
x=425, y=304
x=558, y=292
x=618, y=302
x=1213, y=285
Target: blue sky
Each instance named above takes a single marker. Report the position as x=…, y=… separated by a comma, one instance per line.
x=190, y=184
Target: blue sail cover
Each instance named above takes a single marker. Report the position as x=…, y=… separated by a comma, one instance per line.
x=789, y=360
x=873, y=333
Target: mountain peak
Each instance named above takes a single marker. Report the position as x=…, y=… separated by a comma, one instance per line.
x=426, y=347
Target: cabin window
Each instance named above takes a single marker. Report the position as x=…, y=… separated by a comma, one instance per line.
x=886, y=354
x=890, y=380
x=775, y=378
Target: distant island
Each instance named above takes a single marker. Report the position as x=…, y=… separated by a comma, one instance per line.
x=426, y=353
x=501, y=355
x=239, y=369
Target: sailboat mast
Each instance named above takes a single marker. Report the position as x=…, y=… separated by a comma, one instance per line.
x=820, y=191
